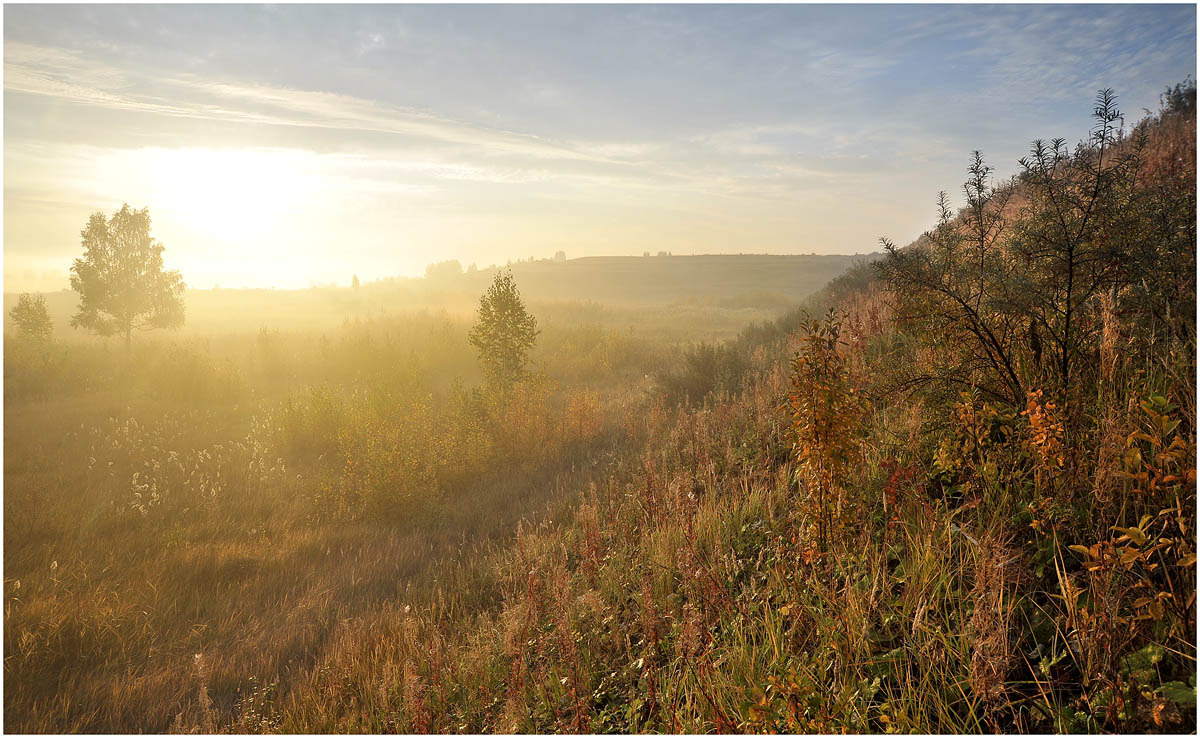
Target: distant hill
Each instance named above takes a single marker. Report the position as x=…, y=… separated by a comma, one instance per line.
x=757, y=285
x=664, y=280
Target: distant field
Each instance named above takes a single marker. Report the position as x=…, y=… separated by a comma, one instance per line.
x=662, y=297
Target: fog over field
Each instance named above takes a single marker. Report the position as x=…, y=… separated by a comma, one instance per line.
x=729, y=291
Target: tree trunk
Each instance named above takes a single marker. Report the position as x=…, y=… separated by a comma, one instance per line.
x=128, y=338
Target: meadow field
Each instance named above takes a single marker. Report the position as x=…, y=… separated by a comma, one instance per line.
x=291, y=461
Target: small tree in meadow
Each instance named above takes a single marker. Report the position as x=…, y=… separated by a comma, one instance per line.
x=827, y=413
x=120, y=278
x=504, y=333
x=31, y=319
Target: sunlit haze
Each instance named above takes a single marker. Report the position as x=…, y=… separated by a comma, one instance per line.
x=292, y=145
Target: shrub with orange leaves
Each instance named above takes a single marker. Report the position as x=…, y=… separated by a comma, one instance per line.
x=1046, y=434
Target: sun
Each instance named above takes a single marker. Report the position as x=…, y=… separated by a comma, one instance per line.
x=264, y=217
x=233, y=196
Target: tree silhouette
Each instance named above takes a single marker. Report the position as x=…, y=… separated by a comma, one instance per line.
x=120, y=278
x=1005, y=296
x=1075, y=236
x=505, y=332
x=444, y=270
x=31, y=319
x=950, y=285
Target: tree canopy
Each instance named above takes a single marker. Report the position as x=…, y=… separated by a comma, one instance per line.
x=31, y=319
x=120, y=278
x=1006, y=292
x=505, y=331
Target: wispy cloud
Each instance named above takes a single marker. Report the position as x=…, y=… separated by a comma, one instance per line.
x=283, y=106
x=473, y=153
x=59, y=73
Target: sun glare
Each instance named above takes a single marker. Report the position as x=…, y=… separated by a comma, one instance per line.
x=233, y=196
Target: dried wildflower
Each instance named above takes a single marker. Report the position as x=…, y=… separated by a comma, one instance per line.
x=990, y=626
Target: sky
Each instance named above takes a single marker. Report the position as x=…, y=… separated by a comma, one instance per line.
x=285, y=146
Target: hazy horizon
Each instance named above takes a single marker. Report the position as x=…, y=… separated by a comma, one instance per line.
x=481, y=271
x=290, y=145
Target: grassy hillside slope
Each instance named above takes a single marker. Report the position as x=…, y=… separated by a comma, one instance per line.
x=882, y=556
